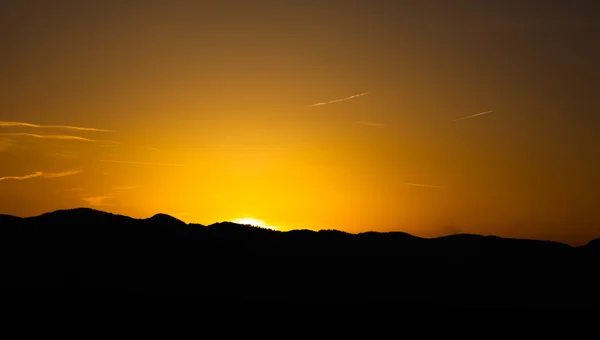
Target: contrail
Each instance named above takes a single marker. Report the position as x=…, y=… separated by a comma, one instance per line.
x=341, y=100
x=42, y=174
x=63, y=174
x=423, y=185
x=138, y=163
x=22, y=178
x=59, y=137
x=37, y=126
x=471, y=116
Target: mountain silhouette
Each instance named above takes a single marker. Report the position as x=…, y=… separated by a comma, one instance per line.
x=89, y=255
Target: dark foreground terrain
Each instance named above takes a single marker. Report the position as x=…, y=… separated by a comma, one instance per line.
x=91, y=258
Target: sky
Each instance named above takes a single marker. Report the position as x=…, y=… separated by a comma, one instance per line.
x=430, y=117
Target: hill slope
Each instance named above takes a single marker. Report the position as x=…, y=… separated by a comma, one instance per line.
x=88, y=254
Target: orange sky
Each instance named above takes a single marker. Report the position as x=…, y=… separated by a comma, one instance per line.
x=210, y=108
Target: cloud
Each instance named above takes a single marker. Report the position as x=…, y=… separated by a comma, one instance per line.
x=64, y=127
x=138, y=163
x=472, y=116
x=63, y=174
x=41, y=174
x=423, y=185
x=57, y=137
x=372, y=124
x=61, y=137
x=98, y=201
x=341, y=100
x=22, y=178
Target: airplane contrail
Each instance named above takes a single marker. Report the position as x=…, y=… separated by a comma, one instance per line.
x=60, y=137
x=471, y=116
x=42, y=174
x=62, y=174
x=341, y=100
x=38, y=126
x=22, y=178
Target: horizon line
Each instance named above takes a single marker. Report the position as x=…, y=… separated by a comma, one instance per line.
x=313, y=230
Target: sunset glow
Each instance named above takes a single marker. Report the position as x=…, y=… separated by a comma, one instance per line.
x=414, y=116
x=250, y=221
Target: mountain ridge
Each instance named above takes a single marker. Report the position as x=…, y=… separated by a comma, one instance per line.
x=165, y=218
x=90, y=254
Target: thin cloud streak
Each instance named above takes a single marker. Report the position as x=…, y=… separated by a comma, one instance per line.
x=57, y=137
x=22, y=178
x=423, y=185
x=138, y=163
x=341, y=100
x=472, y=116
x=64, y=127
x=42, y=174
x=63, y=174
x=61, y=137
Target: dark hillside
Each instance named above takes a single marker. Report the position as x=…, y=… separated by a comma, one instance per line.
x=87, y=254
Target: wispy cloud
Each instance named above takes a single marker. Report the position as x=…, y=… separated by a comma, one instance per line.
x=22, y=178
x=472, y=116
x=61, y=137
x=57, y=137
x=341, y=100
x=423, y=185
x=64, y=127
x=372, y=124
x=98, y=201
x=138, y=163
x=42, y=175
x=63, y=174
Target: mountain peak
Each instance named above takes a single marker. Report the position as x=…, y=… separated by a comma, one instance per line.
x=164, y=218
x=79, y=216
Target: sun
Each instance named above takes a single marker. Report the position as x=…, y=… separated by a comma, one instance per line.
x=253, y=222
x=250, y=221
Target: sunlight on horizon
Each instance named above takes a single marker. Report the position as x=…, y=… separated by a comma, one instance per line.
x=374, y=120
x=253, y=222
